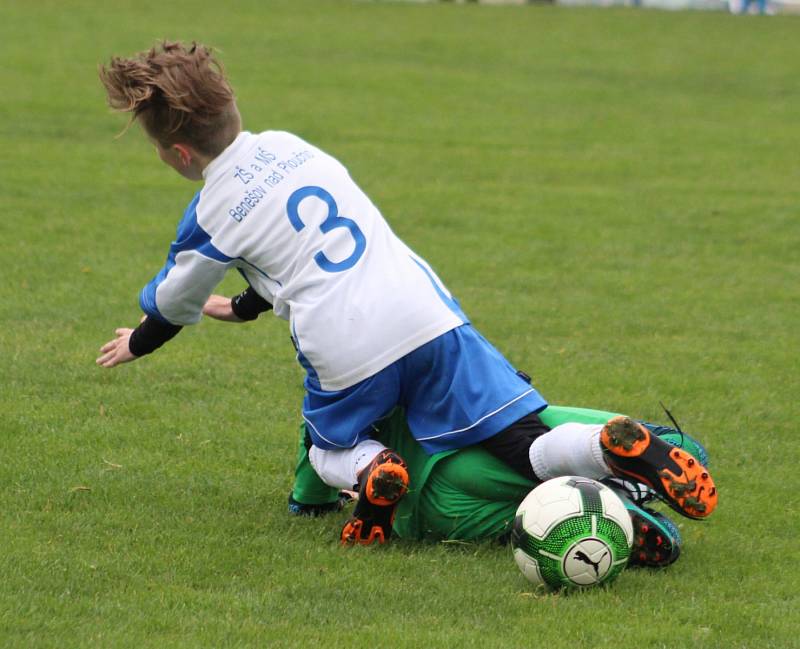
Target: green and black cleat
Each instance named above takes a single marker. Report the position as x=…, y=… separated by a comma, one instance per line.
x=297, y=508
x=656, y=539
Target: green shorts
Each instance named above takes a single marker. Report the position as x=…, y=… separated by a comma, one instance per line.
x=469, y=495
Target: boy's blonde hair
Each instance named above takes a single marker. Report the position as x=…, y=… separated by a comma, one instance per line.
x=178, y=93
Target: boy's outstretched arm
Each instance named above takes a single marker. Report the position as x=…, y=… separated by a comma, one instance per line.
x=151, y=333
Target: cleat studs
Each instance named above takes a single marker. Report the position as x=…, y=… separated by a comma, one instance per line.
x=695, y=504
x=645, y=528
x=659, y=540
x=704, y=475
x=690, y=462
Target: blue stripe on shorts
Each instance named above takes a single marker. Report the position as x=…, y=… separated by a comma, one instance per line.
x=457, y=390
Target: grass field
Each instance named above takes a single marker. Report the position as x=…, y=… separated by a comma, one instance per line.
x=614, y=196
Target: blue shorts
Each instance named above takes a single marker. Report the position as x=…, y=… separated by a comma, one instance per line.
x=457, y=390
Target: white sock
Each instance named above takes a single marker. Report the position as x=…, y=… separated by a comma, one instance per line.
x=569, y=449
x=340, y=469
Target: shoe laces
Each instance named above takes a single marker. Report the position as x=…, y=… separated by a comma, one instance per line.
x=674, y=422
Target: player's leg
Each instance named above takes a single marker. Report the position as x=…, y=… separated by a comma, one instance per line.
x=340, y=424
x=587, y=449
x=627, y=449
x=553, y=416
x=380, y=477
x=640, y=493
x=310, y=496
x=569, y=449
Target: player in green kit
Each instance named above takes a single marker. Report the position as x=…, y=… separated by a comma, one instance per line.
x=470, y=495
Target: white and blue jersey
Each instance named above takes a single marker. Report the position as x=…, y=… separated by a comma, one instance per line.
x=308, y=240
x=368, y=316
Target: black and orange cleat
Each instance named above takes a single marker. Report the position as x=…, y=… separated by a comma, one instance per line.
x=676, y=476
x=381, y=486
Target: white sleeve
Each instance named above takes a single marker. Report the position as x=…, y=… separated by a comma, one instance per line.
x=193, y=268
x=180, y=297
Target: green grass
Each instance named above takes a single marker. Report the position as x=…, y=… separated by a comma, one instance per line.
x=612, y=194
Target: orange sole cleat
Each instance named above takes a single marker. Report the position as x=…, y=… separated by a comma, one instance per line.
x=383, y=483
x=352, y=533
x=386, y=483
x=679, y=479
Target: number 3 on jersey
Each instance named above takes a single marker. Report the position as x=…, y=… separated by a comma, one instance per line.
x=332, y=222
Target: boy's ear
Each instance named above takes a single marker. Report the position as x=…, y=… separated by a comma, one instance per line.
x=185, y=153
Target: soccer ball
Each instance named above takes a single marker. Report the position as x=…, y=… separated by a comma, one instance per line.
x=571, y=532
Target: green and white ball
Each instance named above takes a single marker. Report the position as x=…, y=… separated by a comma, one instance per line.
x=571, y=532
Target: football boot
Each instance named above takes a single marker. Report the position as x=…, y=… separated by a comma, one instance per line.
x=381, y=485
x=678, y=438
x=296, y=508
x=656, y=539
x=640, y=493
x=633, y=453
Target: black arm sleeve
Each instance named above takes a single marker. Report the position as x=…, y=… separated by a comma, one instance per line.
x=150, y=335
x=249, y=304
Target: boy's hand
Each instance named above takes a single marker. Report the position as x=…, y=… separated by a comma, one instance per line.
x=219, y=308
x=116, y=351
